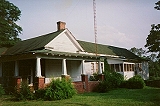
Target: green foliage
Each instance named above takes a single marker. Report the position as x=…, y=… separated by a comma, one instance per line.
x=154, y=78
x=106, y=66
x=157, y=5
x=39, y=94
x=9, y=29
x=112, y=80
x=138, y=51
x=59, y=89
x=23, y=93
x=94, y=77
x=136, y=82
x=153, y=39
x=153, y=82
x=154, y=69
x=1, y=90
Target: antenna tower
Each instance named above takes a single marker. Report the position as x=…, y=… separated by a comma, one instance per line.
x=95, y=25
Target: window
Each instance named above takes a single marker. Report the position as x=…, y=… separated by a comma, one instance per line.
x=96, y=67
x=92, y=66
x=121, y=67
x=117, y=67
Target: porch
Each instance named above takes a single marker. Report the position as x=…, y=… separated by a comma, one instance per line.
x=38, y=72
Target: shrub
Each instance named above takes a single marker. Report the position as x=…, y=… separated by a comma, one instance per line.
x=94, y=77
x=123, y=84
x=116, y=79
x=59, y=89
x=1, y=90
x=23, y=93
x=112, y=80
x=154, y=78
x=104, y=86
x=39, y=94
x=136, y=82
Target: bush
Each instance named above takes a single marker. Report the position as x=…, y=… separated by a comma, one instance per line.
x=59, y=89
x=135, y=82
x=116, y=79
x=23, y=93
x=112, y=80
x=154, y=78
x=39, y=94
x=1, y=90
x=94, y=77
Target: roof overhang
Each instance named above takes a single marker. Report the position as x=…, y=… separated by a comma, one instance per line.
x=48, y=54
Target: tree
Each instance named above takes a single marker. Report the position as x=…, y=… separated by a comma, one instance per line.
x=157, y=5
x=139, y=52
x=9, y=30
x=153, y=39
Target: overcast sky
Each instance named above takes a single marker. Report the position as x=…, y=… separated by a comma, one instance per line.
x=120, y=23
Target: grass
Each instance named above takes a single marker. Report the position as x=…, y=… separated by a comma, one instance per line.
x=121, y=97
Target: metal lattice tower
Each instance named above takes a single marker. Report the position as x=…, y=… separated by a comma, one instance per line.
x=95, y=25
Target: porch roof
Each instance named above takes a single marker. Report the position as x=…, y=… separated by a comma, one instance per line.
x=108, y=50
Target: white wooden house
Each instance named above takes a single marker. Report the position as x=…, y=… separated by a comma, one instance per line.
x=59, y=53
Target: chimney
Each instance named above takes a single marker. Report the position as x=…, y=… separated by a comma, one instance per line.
x=60, y=25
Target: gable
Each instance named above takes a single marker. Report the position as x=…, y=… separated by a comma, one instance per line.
x=64, y=42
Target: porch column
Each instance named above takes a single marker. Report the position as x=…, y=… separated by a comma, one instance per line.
x=82, y=65
x=38, y=67
x=99, y=67
x=100, y=75
x=64, y=68
x=16, y=73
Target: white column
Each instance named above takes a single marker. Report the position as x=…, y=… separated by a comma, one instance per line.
x=16, y=73
x=82, y=66
x=123, y=68
x=38, y=67
x=64, y=68
x=0, y=69
x=99, y=67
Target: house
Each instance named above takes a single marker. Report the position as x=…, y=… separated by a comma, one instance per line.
x=59, y=54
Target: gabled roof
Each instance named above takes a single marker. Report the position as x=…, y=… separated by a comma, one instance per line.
x=108, y=50
x=38, y=43
x=32, y=44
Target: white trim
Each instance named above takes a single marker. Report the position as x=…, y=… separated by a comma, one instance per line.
x=83, y=67
x=64, y=68
x=38, y=67
x=99, y=67
x=70, y=37
x=73, y=39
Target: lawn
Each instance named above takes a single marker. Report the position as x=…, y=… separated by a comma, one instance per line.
x=121, y=97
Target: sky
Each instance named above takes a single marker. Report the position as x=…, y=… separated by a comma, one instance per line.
x=120, y=23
